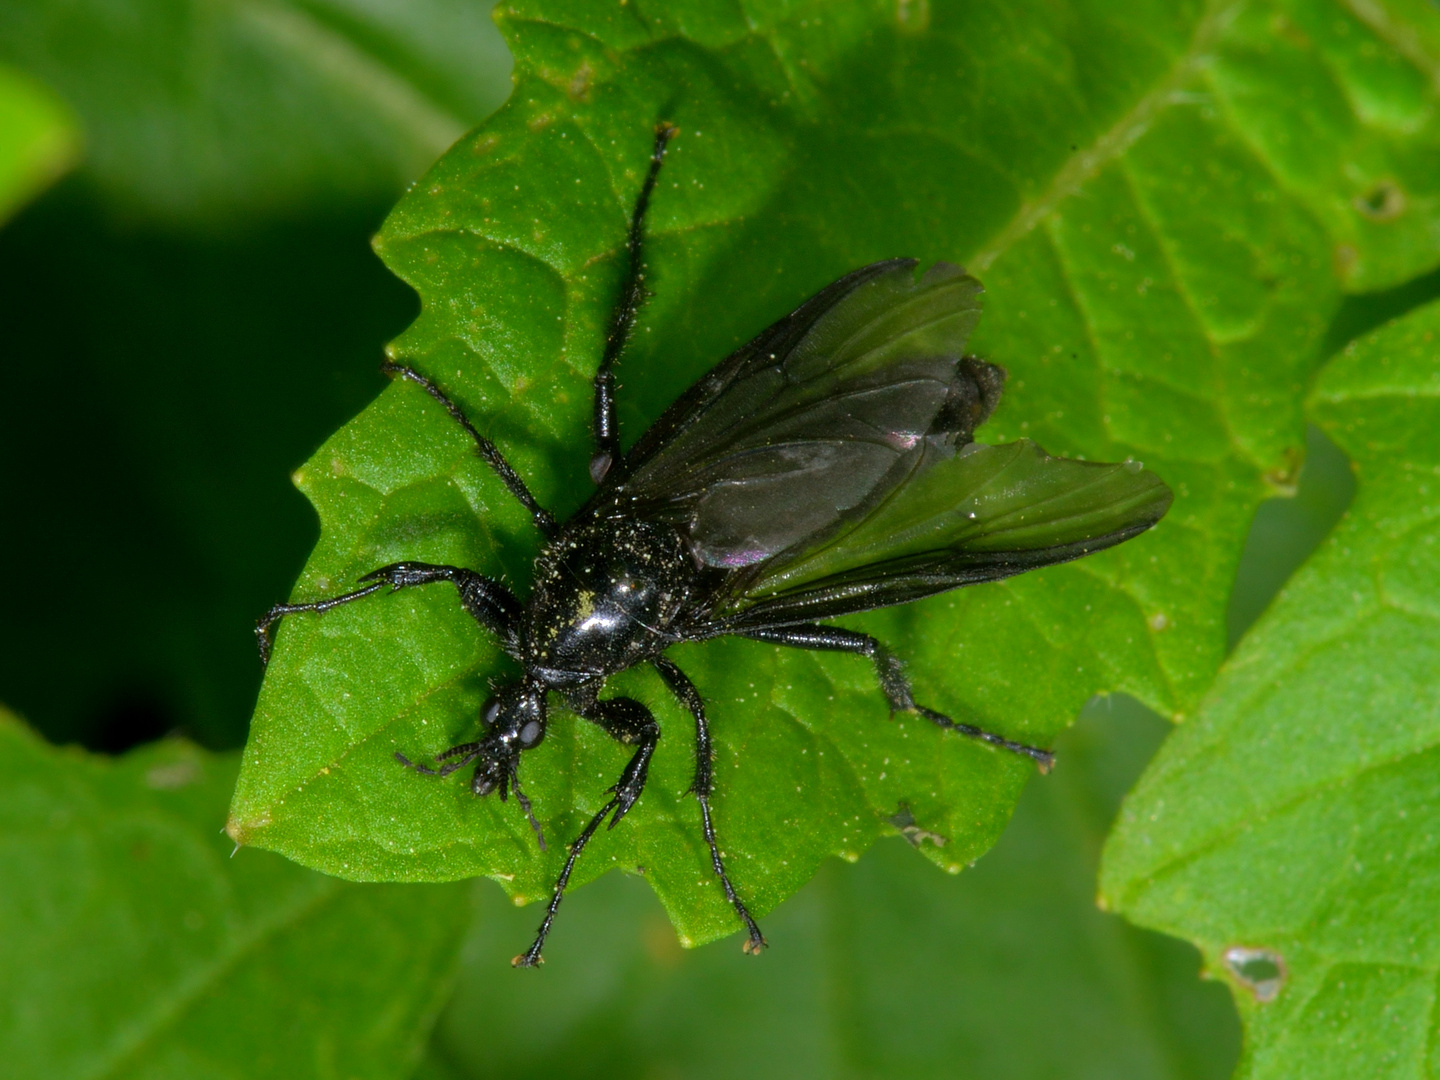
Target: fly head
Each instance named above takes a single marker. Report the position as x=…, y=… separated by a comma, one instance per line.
x=514, y=722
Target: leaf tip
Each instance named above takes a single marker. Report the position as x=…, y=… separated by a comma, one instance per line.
x=241, y=831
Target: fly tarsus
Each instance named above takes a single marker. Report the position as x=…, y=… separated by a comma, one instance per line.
x=1044, y=759
x=317, y=607
x=532, y=957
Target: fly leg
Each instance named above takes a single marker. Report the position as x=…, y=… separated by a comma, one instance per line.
x=629, y=722
x=319, y=607
x=488, y=451
x=622, y=320
x=490, y=603
x=681, y=686
x=892, y=680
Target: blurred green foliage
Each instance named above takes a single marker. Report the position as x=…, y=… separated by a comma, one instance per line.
x=184, y=329
x=209, y=116
x=135, y=947
x=195, y=310
x=38, y=139
x=149, y=444
x=1294, y=817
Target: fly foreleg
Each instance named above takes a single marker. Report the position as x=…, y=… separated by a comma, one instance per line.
x=629, y=722
x=488, y=602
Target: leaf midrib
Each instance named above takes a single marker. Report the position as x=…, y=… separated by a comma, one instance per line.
x=245, y=945
x=340, y=59
x=1084, y=165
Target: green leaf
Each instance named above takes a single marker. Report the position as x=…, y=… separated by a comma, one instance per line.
x=1341, y=101
x=38, y=140
x=1290, y=828
x=135, y=946
x=882, y=969
x=1154, y=286
x=196, y=112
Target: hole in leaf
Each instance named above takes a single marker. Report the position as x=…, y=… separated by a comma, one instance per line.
x=1383, y=202
x=904, y=821
x=1261, y=971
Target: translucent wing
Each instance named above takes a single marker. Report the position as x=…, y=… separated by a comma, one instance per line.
x=819, y=418
x=984, y=514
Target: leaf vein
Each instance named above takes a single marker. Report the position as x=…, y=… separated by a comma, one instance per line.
x=1111, y=144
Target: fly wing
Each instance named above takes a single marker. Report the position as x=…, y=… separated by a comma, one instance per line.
x=819, y=418
x=984, y=514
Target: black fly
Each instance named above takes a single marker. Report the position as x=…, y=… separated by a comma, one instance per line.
x=826, y=468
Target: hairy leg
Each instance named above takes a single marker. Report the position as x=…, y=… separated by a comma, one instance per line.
x=629, y=722
x=622, y=320
x=544, y=520
x=489, y=602
x=319, y=607
x=681, y=686
x=892, y=680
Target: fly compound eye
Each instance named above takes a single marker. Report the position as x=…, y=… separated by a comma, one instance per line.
x=531, y=734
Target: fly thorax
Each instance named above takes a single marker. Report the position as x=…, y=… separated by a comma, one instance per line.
x=606, y=595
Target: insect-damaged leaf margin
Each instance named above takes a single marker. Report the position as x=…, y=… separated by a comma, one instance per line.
x=1096, y=191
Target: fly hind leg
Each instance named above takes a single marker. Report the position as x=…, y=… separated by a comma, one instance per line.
x=892, y=680
x=629, y=722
